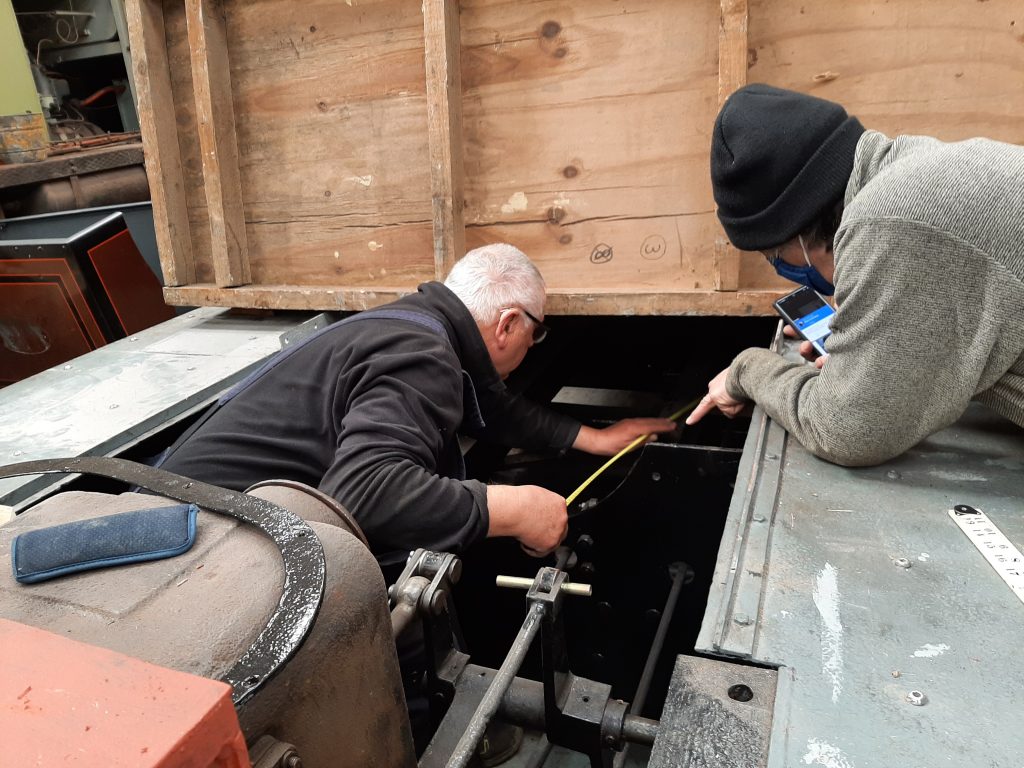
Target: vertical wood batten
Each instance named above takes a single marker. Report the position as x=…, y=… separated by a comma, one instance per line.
x=442, y=41
x=160, y=140
x=211, y=79
x=732, y=74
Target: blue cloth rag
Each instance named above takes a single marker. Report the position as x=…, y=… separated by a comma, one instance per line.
x=99, y=542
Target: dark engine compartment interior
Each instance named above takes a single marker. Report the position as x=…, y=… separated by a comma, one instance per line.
x=661, y=505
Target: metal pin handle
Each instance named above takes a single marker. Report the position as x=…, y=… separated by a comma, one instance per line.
x=520, y=582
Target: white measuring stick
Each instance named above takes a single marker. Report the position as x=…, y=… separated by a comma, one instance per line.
x=993, y=544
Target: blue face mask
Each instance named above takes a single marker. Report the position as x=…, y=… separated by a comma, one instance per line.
x=807, y=275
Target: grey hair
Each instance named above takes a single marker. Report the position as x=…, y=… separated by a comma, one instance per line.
x=494, y=277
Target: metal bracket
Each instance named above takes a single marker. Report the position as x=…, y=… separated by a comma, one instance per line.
x=445, y=647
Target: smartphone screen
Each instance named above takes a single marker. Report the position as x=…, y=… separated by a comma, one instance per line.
x=809, y=314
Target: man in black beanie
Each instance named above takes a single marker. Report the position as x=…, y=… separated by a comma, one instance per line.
x=922, y=243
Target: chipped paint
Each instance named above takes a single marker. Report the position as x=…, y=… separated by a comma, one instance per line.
x=826, y=600
x=515, y=203
x=365, y=181
x=373, y=245
x=823, y=753
x=960, y=477
x=924, y=557
x=929, y=651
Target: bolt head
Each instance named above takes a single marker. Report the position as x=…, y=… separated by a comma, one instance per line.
x=917, y=698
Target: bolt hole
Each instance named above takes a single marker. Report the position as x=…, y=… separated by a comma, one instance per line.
x=740, y=692
x=251, y=680
x=586, y=699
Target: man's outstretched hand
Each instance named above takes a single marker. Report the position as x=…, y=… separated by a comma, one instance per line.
x=717, y=397
x=612, y=439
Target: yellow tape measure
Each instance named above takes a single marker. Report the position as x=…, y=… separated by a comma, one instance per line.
x=640, y=440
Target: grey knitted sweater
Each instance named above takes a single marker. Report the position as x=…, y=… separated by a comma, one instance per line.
x=930, y=294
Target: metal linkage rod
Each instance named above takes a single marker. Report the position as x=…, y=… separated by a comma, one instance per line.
x=679, y=573
x=492, y=699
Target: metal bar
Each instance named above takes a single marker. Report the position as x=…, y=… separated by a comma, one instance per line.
x=521, y=582
x=678, y=571
x=492, y=699
x=639, y=730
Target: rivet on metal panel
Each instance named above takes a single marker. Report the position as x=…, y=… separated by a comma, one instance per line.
x=895, y=673
x=742, y=619
x=917, y=698
x=655, y=476
x=901, y=562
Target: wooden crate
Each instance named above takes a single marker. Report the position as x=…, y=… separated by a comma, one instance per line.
x=334, y=154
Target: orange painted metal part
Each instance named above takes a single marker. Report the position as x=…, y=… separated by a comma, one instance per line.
x=69, y=703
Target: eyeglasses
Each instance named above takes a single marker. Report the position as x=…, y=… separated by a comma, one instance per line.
x=540, y=331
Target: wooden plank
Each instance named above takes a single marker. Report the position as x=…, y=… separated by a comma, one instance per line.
x=587, y=136
x=331, y=125
x=316, y=297
x=732, y=74
x=160, y=140
x=919, y=67
x=584, y=140
x=211, y=78
x=75, y=163
x=442, y=45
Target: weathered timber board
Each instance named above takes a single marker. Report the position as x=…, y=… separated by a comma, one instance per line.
x=584, y=138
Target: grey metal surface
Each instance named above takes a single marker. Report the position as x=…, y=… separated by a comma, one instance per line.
x=717, y=715
x=859, y=584
x=107, y=400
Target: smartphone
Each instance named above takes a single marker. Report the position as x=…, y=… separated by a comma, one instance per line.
x=809, y=314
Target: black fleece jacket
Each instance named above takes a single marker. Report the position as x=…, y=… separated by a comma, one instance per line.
x=368, y=412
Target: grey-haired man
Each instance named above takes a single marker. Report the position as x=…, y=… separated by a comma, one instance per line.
x=368, y=411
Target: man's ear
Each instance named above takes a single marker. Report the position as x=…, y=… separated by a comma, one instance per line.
x=503, y=330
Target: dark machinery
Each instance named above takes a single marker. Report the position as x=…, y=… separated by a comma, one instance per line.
x=572, y=711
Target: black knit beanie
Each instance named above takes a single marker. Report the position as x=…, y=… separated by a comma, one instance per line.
x=779, y=159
